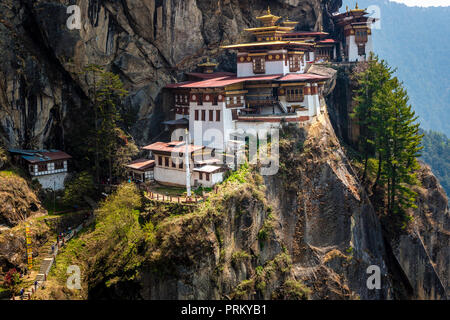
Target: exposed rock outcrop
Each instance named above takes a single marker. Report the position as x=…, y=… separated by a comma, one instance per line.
x=311, y=225
x=17, y=200
x=423, y=250
x=149, y=43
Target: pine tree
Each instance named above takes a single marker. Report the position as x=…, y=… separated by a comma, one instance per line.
x=391, y=133
x=371, y=76
x=106, y=92
x=401, y=147
x=110, y=93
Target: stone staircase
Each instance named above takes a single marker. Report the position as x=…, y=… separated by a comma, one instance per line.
x=47, y=263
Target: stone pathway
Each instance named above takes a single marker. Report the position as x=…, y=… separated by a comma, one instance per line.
x=47, y=262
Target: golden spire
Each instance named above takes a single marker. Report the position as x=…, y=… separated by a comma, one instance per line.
x=208, y=66
x=289, y=23
x=208, y=63
x=356, y=7
x=346, y=8
x=269, y=19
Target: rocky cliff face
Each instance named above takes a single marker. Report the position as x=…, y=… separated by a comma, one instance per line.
x=312, y=225
x=423, y=251
x=17, y=200
x=310, y=230
x=149, y=43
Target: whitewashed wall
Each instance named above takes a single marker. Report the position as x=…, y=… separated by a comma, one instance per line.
x=353, y=48
x=52, y=181
x=210, y=133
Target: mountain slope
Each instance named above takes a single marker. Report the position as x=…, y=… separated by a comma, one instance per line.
x=436, y=153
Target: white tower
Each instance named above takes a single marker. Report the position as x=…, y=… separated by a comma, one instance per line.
x=186, y=160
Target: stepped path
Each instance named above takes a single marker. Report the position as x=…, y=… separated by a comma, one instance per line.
x=42, y=267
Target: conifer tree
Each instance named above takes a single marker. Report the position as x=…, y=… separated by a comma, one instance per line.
x=400, y=149
x=390, y=132
x=107, y=92
x=371, y=78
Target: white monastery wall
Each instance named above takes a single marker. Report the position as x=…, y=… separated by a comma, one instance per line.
x=52, y=181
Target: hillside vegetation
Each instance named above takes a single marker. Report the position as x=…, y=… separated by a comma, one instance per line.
x=436, y=153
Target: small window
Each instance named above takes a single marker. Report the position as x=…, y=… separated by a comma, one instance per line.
x=201, y=175
x=211, y=115
x=174, y=165
x=217, y=115
x=203, y=115
x=259, y=65
x=361, y=50
x=166, y=160
x=160, y=161
x=207, y=176
x=294, y=95
x=42, y=167
x=59, y=165
x=196, y=115
x=234, y=114
x=294, y=63
x=180, y=165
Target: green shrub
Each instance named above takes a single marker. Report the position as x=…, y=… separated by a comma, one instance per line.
x=296, y=290
x=80, y=185
x=239, y=256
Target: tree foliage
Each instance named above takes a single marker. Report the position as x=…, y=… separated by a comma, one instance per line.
x=118, y=234
x=108, y=143
x=436, y=153
x=371, y=77
x=81, y=185
x=12, y=280
x=389, y=131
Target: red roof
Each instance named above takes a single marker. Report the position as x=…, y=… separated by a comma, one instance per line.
x=301, y=76
x=178, y=85
x=222, y=81
x=327, y=41
x=46, y=156
x=213, y=83
x=210, y=75
x=141, y=164
x=173, y=146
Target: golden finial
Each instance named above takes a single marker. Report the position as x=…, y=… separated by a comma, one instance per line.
x=356, y=7
x=268, y=10
x=346, y=8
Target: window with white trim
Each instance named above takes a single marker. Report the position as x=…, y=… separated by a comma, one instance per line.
x=259, y=65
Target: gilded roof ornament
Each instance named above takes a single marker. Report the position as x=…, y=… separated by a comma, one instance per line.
x=208, y=63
